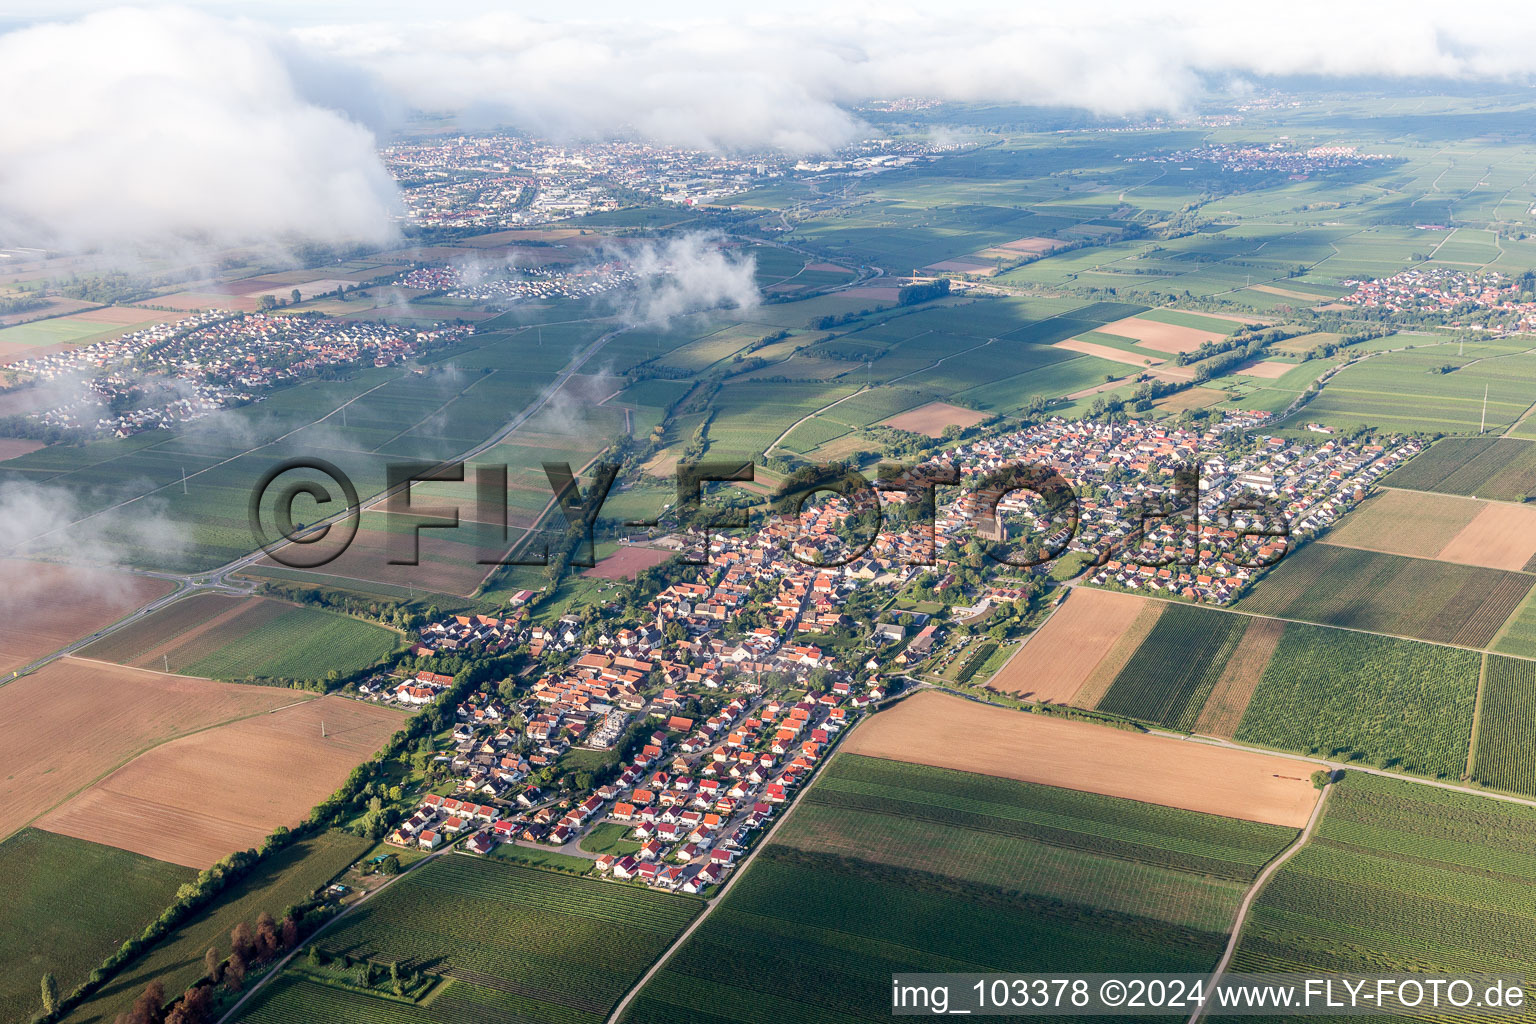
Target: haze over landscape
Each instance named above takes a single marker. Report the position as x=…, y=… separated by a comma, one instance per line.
x=665, y=514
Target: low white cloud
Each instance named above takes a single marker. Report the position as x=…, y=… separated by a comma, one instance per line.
x=148, y=128
x=689, y=273
x=152, y=129
x=42, y=519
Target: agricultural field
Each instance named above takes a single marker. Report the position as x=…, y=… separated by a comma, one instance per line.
x=223, y=637
x=950, y=732
x=1416, y=597
x=1176, y=667
x=71, y=722
x=1403, y=391
x=1355, y=696
x=1401, y=878
x=1054, y=662
x=566, y=948
x=68, y=905
x=886, y=867
x=47, y=607
x=1518, y=637
x=1501, y=468
x=1505, y=751
x=1405, y=523
x=225, y=788
x=287, y=877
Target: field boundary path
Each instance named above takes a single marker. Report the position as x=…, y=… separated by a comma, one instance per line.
x=277, y=968
x=1253, y=894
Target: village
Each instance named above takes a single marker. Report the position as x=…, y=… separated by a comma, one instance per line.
x=1464, y=299
x=182, y=370
x=504, y=285
x=717, y=705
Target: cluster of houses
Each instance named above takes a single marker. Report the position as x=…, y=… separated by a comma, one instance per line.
x=532, y=283
x=1125, y=473
x=173, y=372
x=690, y=799
x=1445, y=291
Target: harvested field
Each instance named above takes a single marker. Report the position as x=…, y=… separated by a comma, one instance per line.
x=1269, y=369
x=1161, y=337
x=1098, y=682
x=931, y=419
x=1229, y=698
x=627, y=561
x=112, y=315
x=1030, y=245
x=13, y=447
x=226, y=788
x=1291, y=293
x=950, y=732
x=67, y=724
x=1191, y=398
x=1405, y=523
x=963, y=265
x=1118, y=355
x=1502, y=536
x=1054, y=663
x=46, y=607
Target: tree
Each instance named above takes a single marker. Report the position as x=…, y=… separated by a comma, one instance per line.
x=289, y=932
x=234, y=972
x=297, y=296
x=213, y=965
x=314, y=956
x=149, y=1008
x=267, y=303
x=396, y=985
x=242, y=941
x=50, y=993
x=266, y=936
x=1321, y=778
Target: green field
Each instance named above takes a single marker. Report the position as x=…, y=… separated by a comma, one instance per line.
x=277, y=882
x=302, y=643
x=1506, y=743
x=570, y=947
x=1401, y=878
x=1401, y=391
x=1172, y=673
x=1417, y=597
x=1488, y=467
x=888, y=867
x=68, y=905
x=1392, y=703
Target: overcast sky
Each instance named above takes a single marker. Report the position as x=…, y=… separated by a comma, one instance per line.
x=220, y=122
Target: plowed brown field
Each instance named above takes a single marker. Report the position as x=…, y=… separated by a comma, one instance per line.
x=69, y=723
x=196, y=799
x=951, y=732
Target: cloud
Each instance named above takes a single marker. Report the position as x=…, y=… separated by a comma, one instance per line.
x=689, y=273
x=152, y=129
x=53, y=521
x=786, y=80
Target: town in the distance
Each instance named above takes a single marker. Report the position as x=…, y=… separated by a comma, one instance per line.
x=527, y=521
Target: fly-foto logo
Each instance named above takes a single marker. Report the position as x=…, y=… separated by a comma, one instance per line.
x=1167, y=528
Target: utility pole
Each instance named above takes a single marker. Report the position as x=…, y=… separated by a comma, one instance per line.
x=183, y=479
x=167, y=658
x=1484, y=424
